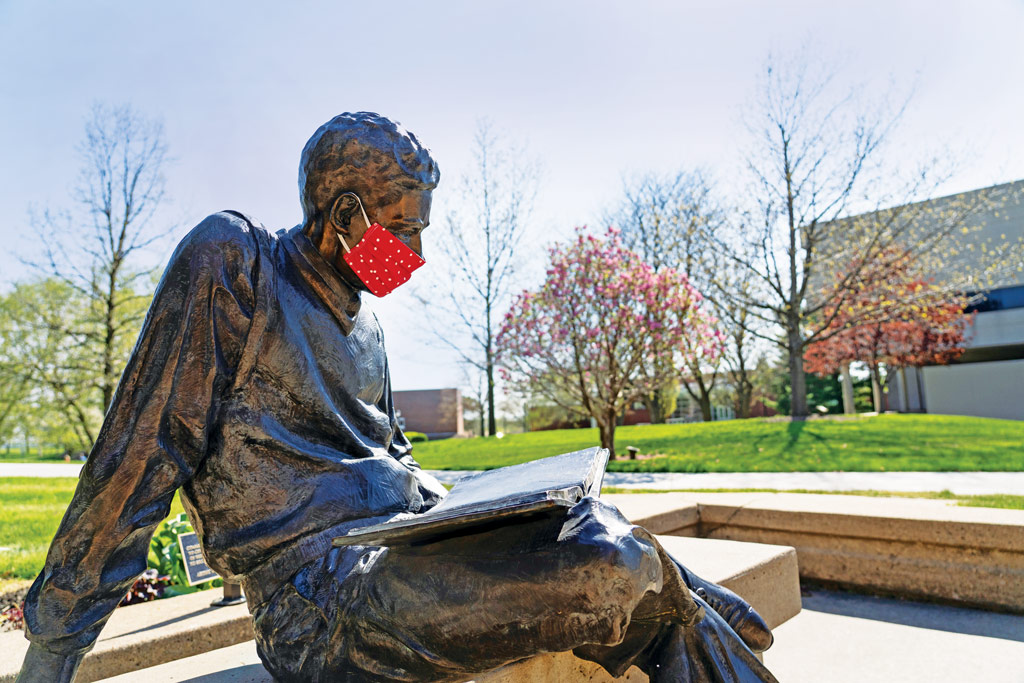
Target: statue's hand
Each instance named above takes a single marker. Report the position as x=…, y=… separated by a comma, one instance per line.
x=431, y=489
x=43, y=666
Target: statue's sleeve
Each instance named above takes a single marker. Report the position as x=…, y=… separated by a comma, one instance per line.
x=153, y=438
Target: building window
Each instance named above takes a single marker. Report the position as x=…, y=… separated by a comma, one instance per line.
x=999, y=300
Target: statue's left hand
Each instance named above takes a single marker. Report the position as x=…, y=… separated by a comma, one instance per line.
x=43, y=666
x=431, y=489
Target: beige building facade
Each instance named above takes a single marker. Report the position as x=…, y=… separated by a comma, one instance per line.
x=988, y=380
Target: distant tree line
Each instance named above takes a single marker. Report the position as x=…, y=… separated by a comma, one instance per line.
x=66, y=332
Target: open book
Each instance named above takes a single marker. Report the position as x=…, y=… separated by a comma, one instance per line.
x=492, y=497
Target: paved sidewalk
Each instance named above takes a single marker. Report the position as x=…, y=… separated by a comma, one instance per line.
x=961, y=483
x=40, y=469
x=849, y=638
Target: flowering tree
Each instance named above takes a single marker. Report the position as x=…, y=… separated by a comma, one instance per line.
x=670, y=222
x=896, y=320
x=586, y=338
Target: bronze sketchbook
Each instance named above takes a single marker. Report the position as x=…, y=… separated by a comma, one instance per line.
x=494, y=496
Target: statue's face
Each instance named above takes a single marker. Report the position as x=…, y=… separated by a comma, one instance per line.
x=401, y=209
x=403, y=212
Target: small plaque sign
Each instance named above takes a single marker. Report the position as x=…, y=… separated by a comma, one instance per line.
x=195, y=565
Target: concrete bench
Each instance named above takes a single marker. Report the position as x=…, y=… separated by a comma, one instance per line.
x=923, y=549
x=150, y=633
x=763, y=574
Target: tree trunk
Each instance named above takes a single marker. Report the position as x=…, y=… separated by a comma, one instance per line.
x=109, y=383
x=876, y=388
x=906, y=389
x=847, y=385
x=743, y=387
x=797, y=380
x=655, y=408
x=702, y=396
x=744, y=397
x=492, y=424
x=705, y=407
x=606, y=427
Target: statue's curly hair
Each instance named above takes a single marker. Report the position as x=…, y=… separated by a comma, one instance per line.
x=350, y=149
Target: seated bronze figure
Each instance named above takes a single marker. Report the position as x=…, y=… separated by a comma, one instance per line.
x=259, y=387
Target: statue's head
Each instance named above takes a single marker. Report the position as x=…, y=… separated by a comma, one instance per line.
x=374, y=158
x=360, y=151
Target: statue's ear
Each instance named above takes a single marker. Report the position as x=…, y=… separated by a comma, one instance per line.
x=341, y=213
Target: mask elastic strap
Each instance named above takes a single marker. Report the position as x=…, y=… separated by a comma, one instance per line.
x=362, y=211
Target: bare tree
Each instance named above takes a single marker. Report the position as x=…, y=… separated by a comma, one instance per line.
x=817, y=157
x=93, y=247
x=670, y=221
x=479, y=244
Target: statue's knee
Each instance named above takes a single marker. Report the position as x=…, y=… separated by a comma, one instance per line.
x=634, y=559
x=618, y=559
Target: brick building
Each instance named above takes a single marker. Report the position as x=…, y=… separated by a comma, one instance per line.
x=435, y=412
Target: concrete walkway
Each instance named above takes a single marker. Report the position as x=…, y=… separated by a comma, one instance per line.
x=40, y=469
x=848, y=638
x=960, y=483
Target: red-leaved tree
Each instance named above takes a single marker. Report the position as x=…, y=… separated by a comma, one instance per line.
x=896, y=320
x=586, y=339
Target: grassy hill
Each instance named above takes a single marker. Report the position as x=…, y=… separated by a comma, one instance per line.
x=864, y=444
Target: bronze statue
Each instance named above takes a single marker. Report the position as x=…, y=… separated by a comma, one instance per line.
x=259, y=387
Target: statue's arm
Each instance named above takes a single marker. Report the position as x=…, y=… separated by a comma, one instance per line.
x=401, y=449
x=153, y=438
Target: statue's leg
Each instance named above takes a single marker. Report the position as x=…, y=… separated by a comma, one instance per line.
x=705, y=650
x=467, y=605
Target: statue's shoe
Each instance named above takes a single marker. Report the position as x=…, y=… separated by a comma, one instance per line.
x=736, y=611
x=740, y=616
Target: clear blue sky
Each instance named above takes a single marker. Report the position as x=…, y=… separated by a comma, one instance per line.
x=598, y=90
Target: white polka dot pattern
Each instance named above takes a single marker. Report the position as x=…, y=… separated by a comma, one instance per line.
x=381, y=261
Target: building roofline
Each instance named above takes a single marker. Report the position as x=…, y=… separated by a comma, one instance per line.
x=990, y=188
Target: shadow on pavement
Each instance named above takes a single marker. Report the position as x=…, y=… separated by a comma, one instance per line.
x=918, y=614
x=251, y=673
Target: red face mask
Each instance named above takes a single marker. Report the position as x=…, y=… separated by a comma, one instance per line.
x=380, y=259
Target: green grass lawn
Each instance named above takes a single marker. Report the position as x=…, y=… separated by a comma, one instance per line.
x=30, y=511
x=867, y=444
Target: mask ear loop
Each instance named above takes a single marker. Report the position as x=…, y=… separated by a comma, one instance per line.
x=359, y=202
